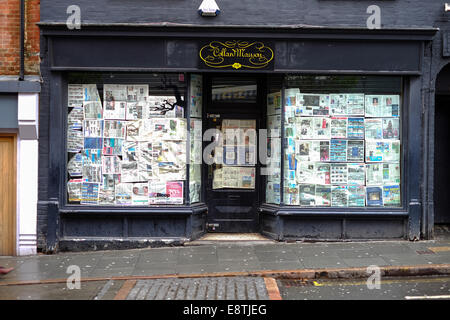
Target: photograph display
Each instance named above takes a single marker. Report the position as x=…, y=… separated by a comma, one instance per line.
x=121, y=151
x=341, y=149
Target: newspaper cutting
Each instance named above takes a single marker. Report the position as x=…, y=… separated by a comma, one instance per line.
x=75, y=96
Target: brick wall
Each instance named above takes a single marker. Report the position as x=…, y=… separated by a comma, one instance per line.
x=10, y=37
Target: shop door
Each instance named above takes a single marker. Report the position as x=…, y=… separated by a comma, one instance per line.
x=7, y=194
x=232, y=196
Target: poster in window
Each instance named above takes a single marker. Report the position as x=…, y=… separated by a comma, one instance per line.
x=92, y=110
x=274, y=103
x=391, y=173
x=140, y=194
x=89, y=193
x=307, y=195
x=373, y=129
x=273, y=192
x=114, y=92
x=92, y=156
x=322, y=173
x=376, y=150
x=338, y=150
x=93, y=128
x=115, y=110
x=305, y=172
x=322, y=128
x=112, y=146
x=374, y=196
x=93, y=143
x=75, y=96
x=391, y=104
x=90, y=92
x=355, y=150
x=312, y=105
x=130, y=151
x=290, y=96
x=356, y=196
x=106, y=196
x=324, y=150
x=391, y=195
x=75, y=165
x=137, y=92
x=356, y=173
x=110, y=165
x=391, y=128
x=339, y=196
x=338, y=173
x=174, y=189
x=374, y=106
x=339, y=127
x=92, y=172
x=75, y=119
x=196, y=95
x=374, y=174
x=306, y=128
x=338, y=104
x=75, y=141
x=109, y=181
x=355, y=104
x=157, y=192
x=291, y=193
x=136, y=110
x=355, y=129
x=74, y=190
x=114, y=129
x=391, y=152
x=129, y=171
x=323, y=195
x=123, y=193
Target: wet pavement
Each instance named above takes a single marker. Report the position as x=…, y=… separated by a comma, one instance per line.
x=222, y=258
x=60, y=291
x=405, y=288
x=199, y=272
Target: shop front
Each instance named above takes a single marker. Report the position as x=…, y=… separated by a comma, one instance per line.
x=158, y=135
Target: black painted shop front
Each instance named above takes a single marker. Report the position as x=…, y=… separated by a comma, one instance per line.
x=332, y=57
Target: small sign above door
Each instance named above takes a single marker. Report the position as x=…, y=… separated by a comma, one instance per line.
x=237, y=55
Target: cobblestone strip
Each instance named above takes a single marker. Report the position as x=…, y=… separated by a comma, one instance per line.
x=234, y=288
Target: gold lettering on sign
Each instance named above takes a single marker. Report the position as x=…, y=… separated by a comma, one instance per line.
x=236, y=54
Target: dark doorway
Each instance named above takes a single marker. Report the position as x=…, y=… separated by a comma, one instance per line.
x=442, y=147
x=232, y=187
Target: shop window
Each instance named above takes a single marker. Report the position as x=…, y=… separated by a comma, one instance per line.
x=272, y=170
x=342, y=144
x=195, y=166
x=126, y=139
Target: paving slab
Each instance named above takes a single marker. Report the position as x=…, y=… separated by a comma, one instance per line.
x=323, y=262
x=227, y=258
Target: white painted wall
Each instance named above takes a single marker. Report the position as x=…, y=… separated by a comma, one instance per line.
x=27, y=173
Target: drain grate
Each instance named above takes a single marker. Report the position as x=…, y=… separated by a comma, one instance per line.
x=232, y=288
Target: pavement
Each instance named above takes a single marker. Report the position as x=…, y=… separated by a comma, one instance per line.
x=277, y=259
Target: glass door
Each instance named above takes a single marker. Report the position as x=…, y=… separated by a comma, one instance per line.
x=233, y=118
